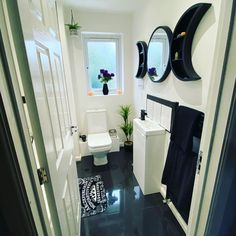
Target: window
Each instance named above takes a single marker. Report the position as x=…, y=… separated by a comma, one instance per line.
x=103, y=51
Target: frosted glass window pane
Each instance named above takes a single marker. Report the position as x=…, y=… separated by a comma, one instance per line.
x=101, y=55
x=155, y=57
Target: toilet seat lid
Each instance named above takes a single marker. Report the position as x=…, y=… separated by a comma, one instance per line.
x=99, y=140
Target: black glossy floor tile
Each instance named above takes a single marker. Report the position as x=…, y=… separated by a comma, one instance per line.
x=129, y=212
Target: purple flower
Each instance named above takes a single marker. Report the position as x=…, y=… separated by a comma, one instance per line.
x=152, y=71
x=105, y=76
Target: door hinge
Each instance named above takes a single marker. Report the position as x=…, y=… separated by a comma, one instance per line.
x=42, y=174
x=199, y=162
x=23, y=99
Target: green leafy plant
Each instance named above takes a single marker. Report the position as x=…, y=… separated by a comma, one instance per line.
x=73, y=25
x=127, y=126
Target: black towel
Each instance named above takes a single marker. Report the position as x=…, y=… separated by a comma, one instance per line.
x=180, y=166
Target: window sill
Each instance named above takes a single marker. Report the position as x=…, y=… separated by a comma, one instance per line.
x=100, y=94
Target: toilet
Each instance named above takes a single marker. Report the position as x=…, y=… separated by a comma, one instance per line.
x=99, y=141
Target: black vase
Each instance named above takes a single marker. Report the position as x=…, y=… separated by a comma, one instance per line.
x=105, y=89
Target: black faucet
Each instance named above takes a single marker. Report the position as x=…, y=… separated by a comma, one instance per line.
x=143, y=114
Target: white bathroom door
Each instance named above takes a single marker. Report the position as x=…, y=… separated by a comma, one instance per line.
x=40, y=31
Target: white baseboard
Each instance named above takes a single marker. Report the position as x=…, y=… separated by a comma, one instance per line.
x=78, y=158
x=174, y=210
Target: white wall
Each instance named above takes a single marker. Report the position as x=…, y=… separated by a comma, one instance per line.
x=158, y=12
x=100, y=22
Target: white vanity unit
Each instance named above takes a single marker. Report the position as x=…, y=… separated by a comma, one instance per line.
x=149, y=142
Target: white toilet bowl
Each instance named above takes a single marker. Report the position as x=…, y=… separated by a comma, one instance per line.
x=99, y=145
x=99, y=141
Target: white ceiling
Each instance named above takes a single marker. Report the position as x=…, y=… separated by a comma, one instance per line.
x=105, y=5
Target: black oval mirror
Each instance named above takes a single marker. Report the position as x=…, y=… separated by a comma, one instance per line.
x=158, y=54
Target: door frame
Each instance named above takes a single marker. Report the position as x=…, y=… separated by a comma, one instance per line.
x=220, y=219
x=222, y=115
x=12, y=208
x=220, y=93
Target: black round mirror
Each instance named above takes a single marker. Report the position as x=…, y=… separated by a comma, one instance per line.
x=158, y=54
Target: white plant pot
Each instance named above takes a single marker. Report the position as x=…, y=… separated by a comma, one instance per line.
x=74, y=32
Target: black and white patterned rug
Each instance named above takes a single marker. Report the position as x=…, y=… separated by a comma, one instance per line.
x=93, y=195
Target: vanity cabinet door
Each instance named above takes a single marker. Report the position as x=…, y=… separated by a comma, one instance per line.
x=139, y=157
x=148, y=159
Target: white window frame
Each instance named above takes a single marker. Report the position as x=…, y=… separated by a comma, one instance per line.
x=103, y=37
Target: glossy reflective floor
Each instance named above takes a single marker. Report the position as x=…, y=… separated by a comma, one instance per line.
x=129, y=212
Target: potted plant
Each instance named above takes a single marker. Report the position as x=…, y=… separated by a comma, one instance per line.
x=73, y=26
x=105, y=77
x=127, y=126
